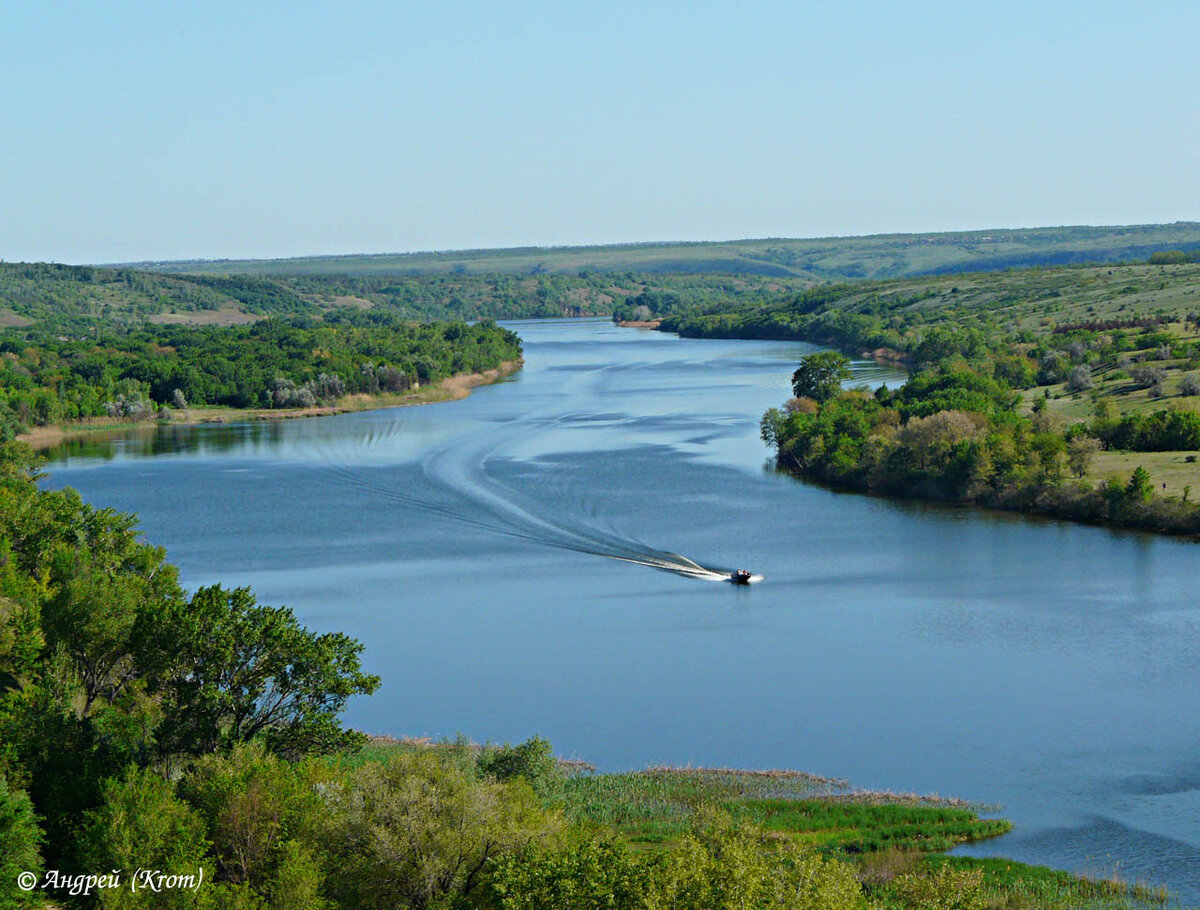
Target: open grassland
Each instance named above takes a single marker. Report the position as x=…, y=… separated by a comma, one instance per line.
x=815, y=259
x=1037, y=302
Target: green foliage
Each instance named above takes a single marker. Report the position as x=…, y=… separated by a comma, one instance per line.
x=945, y=889
x=106, y=663
x=254, y=806
x=142, y=825
x=532, y=761
x=249, y=671
x=1166, y=430
x=594, y=874
x=953, y=433
x=820, y=376
x=724, y=867
x=1139, y=488
x=419, y=831
x=1173, y=257
x=46, y=376
x=20, y=839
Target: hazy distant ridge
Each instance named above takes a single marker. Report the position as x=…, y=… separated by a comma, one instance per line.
x=815, y=259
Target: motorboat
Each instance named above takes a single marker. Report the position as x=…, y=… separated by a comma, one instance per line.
x=740, y=576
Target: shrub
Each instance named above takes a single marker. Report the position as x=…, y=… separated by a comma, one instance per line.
x=254, y=804
x=945, y=889
x=1190, y=385
x=1146, y=376
x=532, y=761
x=596, y=873
x=1080, y=379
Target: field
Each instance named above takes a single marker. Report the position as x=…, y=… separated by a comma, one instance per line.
x=813, y=259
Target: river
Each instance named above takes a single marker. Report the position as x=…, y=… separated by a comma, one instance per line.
x=496, y=556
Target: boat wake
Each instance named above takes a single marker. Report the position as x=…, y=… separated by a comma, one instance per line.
x=459, y=488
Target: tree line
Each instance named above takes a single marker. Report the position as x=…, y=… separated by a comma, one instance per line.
x=47, y=378
x=953, y=432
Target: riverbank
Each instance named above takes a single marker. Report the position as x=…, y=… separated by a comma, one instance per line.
x=892, y=846
x=452, y=388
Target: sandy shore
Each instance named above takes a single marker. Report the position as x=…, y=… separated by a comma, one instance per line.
x=452, y=388
x=640, y=324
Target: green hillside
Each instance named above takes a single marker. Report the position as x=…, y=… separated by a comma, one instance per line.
x=71, y=297
x=813, y=259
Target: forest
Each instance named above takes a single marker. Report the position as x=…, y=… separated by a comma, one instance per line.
x=69, y=298
x=137, y=373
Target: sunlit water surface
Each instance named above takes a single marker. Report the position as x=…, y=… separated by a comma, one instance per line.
x=497, y=557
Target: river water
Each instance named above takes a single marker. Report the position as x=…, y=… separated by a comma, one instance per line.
x=497, y=557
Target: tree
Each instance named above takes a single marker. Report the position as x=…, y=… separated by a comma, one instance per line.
x=19, y=840
x=768, y=427
x=821, y=375
x=1139, y=487
x=421, y=831
x=245, y=670
x=254, y=806
x=143, y=825
x=1079, y=453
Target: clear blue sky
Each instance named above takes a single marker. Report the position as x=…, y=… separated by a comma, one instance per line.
x=140, y=130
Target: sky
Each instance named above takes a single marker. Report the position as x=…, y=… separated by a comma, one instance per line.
x=167, y=130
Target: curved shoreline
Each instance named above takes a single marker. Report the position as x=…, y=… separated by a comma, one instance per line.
x=452, y=388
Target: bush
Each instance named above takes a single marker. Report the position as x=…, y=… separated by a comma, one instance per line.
x=254, y=805
x=945, y=889
x=1080, y=379
x=1190, y=385
x=532, y=761
x=597, y=873
x=1146, y=376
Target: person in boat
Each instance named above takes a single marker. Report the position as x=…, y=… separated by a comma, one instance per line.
x=740, y=577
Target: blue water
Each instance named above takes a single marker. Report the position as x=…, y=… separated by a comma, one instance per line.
x=1046, y=667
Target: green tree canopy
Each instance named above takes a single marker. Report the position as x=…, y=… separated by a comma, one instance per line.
x=821, y=375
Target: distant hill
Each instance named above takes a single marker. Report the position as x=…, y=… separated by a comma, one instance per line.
x=826, y=259
x=69, y=298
